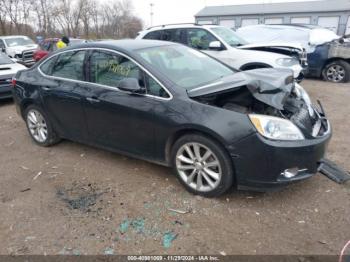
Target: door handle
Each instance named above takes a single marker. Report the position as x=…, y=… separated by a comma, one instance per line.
x=92, y=99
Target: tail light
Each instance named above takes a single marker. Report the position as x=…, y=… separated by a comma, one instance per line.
x=13, y=82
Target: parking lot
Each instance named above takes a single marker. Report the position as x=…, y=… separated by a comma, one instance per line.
x=74, y=199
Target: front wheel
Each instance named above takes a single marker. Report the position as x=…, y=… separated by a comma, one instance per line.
x=337, y=72
x=202, y=165
x=39, y=126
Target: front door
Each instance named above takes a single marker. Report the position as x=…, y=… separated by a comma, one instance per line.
x=117, y=119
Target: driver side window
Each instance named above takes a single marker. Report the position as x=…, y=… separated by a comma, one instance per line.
x=199, y=38
x=109, y=69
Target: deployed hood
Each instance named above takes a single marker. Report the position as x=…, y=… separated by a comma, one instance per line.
x=268, y=85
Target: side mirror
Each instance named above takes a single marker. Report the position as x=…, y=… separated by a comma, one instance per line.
x=3, y=49
x=215, y=45
x=130, y=85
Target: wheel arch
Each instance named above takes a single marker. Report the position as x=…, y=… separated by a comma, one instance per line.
x=333, y=59
x=26, y=103
x=187, y=131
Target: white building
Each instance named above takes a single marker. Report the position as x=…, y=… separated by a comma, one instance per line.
x=332, y=14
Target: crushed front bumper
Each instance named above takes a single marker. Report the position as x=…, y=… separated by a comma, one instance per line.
x=260, y=164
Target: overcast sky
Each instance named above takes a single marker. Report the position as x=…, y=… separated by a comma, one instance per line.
x=180, y=11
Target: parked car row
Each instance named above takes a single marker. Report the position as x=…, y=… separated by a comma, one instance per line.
x=216, y=126
x=19, y=47
x=305, y=49
x=8, y=69
x=224, y=44
x=328, y=54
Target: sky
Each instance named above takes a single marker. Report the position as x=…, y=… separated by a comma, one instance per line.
x=182, y=11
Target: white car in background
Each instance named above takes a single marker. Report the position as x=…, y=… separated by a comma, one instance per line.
x=224, y=44
x=20, y=47
x=8, y=69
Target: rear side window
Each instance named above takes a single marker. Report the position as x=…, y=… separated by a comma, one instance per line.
x=68, y=65
x=155, y=35
x=47, y=66
x=174, y=35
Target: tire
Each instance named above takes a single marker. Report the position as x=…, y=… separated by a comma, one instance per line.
x=337, y=72
x=216, y=179
x=39, y=127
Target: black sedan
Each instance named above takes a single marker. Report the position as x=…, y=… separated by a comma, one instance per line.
x=178, y=107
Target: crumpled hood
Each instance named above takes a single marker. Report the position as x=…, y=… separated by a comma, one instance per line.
x=268, y=85
x=273, y=44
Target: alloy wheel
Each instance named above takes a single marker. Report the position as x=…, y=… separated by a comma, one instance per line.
x=198, y=167
x=37, y=125
x=335, y=73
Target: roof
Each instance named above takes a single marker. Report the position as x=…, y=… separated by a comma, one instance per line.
x=12, y=36
x=127, y=44
x=276, y=8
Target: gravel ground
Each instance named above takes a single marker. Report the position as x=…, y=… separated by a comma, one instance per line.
x=75, y=199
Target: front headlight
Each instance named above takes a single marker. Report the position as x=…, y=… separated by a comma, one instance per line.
x=287, y=61
x=276, y=128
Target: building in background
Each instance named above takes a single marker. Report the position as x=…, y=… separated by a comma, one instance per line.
x=331, y=14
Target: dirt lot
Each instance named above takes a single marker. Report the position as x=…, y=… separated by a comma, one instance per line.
x=74, y=199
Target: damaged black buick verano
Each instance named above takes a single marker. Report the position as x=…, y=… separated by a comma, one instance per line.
x=176, y=106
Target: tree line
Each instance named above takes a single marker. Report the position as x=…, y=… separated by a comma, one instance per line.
x=75, y=18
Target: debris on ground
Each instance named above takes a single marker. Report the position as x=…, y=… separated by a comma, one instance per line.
x=179, y=211
x=138, y=224
x=123, y=227
x=333, y=171
x=24, y=168
x=223, y=253
x=37, y=175
x=78, y=197
x=25, y=190
x=109, y=251
x=168, y=238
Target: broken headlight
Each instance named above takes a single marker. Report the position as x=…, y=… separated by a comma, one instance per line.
x=276, y=128
x=302, y=94
x=287, y=61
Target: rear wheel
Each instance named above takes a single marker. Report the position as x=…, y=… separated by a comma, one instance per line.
x=337, y=72
x=39, y=127
x=202, y=165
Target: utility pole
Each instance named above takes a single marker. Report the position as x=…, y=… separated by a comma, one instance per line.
x=151, y=5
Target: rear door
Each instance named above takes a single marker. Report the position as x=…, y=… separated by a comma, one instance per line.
x=117, y=119
x=63, y=90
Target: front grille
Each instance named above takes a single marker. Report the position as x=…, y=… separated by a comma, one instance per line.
x=6, y=81
x=303, y=120
x=27, y=55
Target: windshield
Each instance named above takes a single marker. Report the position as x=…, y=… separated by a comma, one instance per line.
x=186, y=67
x=18, y=41
x=5, y=60
x=229, y=36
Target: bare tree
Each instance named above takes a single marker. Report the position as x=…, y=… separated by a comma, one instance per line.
x=75, y=18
